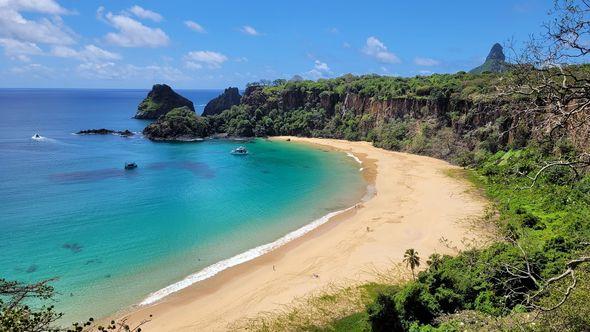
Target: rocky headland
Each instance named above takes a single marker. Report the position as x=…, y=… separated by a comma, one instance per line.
x=161, y=100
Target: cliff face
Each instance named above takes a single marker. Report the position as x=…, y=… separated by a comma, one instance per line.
x=161, y=100
x=461, y=115
x=229, y=97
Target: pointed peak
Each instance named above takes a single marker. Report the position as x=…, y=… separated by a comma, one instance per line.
x=496, y=53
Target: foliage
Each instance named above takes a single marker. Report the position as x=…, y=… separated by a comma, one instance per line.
x=178, y=123
x=412, y=260
x=549, y=222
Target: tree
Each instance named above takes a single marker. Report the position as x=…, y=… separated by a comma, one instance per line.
x=17, y=314
x=434, y=261
x=553, y=86
x=412, y=260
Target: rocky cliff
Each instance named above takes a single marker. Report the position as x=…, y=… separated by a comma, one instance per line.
x=161, y=100
x=229, y=97
x=461, y=114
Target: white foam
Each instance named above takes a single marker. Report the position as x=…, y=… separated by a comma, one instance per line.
x=214, y=269
x=354, y=157
x=42, y=139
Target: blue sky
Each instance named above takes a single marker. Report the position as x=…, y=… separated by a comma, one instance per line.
x=214, y=44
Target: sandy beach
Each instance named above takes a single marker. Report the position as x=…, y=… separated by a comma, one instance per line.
x=415, y=206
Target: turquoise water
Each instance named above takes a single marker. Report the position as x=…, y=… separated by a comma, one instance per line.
x=112, y=237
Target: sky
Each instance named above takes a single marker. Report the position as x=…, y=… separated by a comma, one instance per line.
x=215, y=44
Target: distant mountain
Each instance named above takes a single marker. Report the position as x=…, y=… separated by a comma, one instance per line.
x=495, y=62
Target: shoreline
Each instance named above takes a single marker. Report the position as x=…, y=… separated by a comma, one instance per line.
x=189, y=304
x=263, y=249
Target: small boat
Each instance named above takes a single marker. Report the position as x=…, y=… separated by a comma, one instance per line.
x=36, y=136
x=239, y=151
x=130, y=166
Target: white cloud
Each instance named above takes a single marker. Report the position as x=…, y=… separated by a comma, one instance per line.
x=346, y=45
x=427, y=62
x=320, y=70
x=35, y=70
x=375, y=48
x=212, y=59
x=132, y=33
x=37, y=6
x=89, y=53
x=192, y=65
x=425, y=72
x=321, y=66
x=113, y=71
x=19, y=50
x=40, y=30
x=195, y=26
x=145, y=13
x=249, y=30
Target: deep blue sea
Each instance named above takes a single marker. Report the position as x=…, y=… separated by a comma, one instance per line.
x=69, y=210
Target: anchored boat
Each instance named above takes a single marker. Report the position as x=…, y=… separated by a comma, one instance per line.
x=239, y=151
x=130, y=166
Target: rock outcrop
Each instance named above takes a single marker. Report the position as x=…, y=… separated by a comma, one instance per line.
x=229, y=97
x=104, y=131
x=379, y=110
x=495, y=61
x=180, y=124
x=161, y=100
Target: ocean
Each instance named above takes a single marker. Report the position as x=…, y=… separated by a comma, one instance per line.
x=115, y=238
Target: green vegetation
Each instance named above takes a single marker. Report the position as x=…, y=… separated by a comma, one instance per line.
x=541, y=229
x=178, y=124
x=525, y=135
x=412, y=260
x=495, y=62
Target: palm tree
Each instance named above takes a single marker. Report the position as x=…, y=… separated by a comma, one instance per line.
x=434, y=261
x=412, y=260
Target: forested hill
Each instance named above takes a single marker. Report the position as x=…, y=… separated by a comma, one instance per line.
x=449, y=116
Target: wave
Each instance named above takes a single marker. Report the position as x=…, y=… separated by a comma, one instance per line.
x=248, y=255
x=39, y=138
x=354, y=157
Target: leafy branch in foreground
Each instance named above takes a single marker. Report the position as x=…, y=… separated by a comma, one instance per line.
x=18, y=311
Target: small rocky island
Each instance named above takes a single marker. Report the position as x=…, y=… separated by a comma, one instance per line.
x=161, y=100
x=180, y=124
x=104, y=131
x=230, y=97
